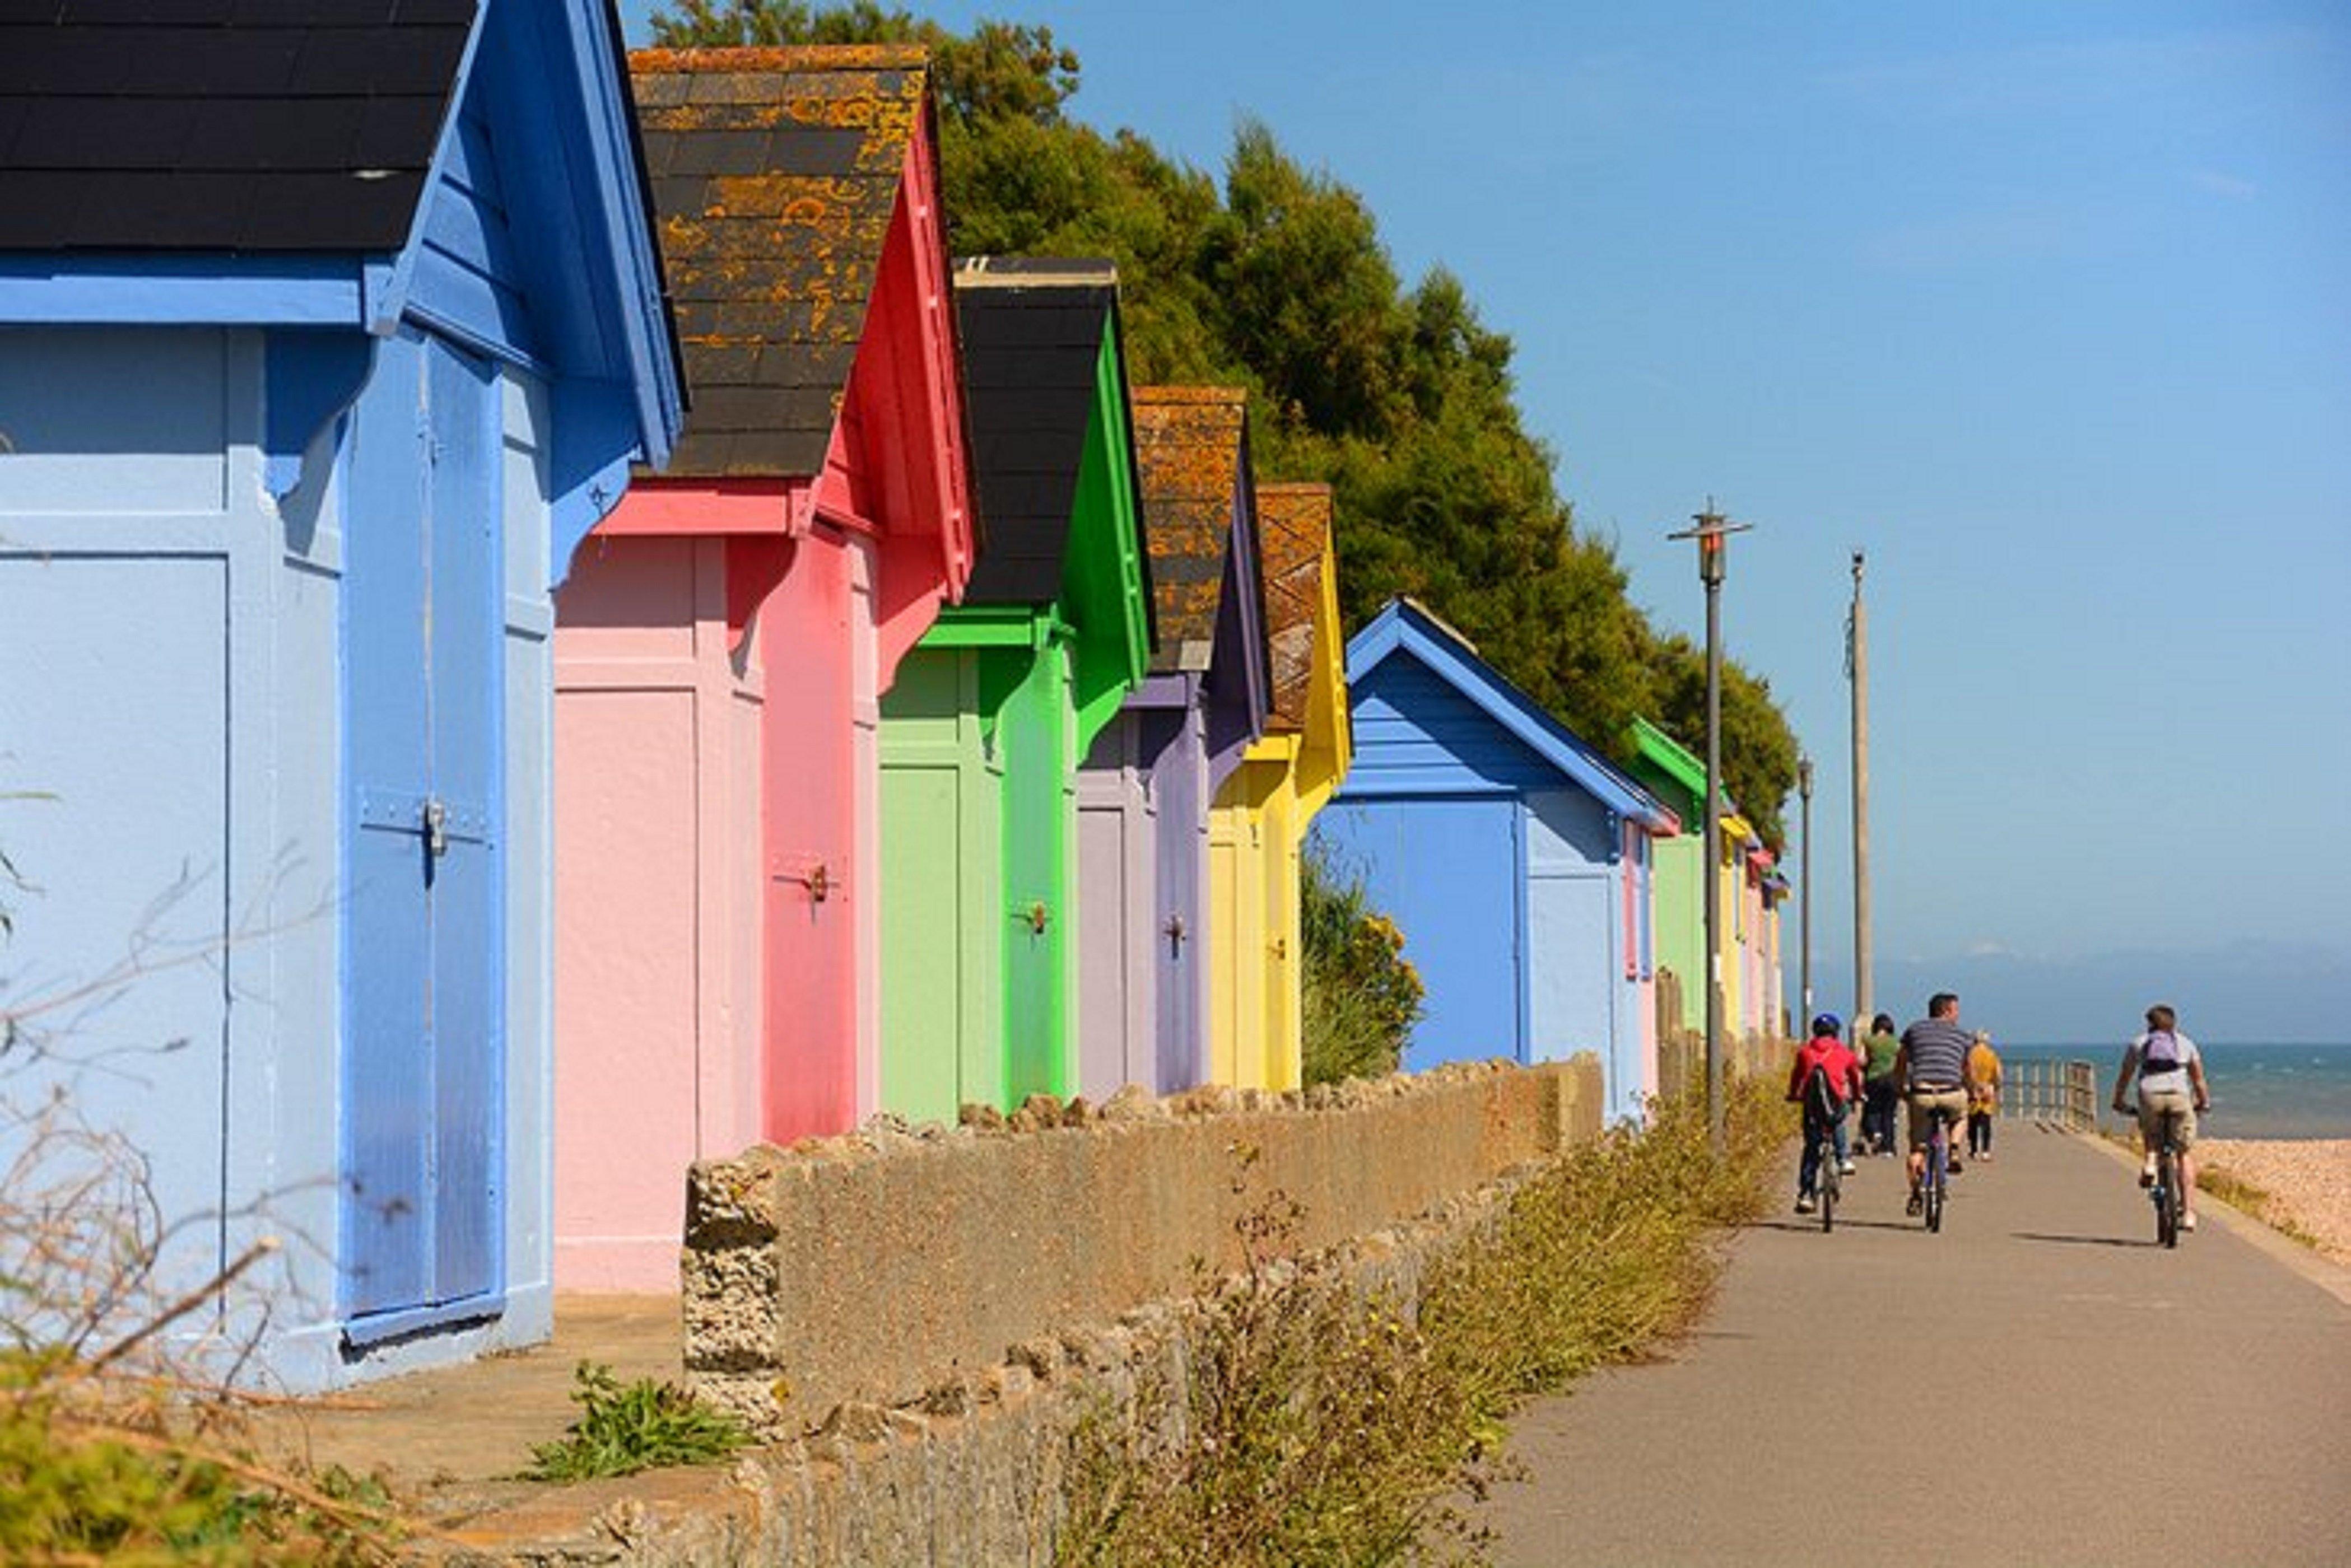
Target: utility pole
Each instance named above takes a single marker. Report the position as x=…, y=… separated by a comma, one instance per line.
x=1856, y=666
x=1804, y=895
x=1712, y=533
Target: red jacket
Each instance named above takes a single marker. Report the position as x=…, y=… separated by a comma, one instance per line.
x=1828, y=1051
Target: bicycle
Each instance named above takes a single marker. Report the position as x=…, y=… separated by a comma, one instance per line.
x=1935, y=1183
x=2170, y=1201
x=1830, y=1179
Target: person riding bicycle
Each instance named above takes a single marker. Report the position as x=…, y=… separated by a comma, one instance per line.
x=1825, y=1060
x=2169, y=1073
x=1932, y=1066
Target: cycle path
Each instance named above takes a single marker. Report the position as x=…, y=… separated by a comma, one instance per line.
x=1979, y=1396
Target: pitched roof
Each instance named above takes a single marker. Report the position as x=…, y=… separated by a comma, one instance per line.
x=1294, y=525
x=222, y=125
x=1189, y=453
x=1404, y=628
x=1032, y=333
x=776, y=172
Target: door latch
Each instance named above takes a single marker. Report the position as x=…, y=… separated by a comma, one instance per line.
x=437, y=828
x=817, y=877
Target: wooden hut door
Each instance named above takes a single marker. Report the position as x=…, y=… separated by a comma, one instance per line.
x=423, y=1036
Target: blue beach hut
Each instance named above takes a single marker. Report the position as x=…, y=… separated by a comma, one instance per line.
x=1514, y=856
x=325, y=333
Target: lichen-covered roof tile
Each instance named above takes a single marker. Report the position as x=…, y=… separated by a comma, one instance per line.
x=1293, y=531
x=776, y=173
x=1188, y=446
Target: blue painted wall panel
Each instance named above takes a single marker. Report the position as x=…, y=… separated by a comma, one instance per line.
x=1448, y=872
x=1415, y=732
x=127, y=735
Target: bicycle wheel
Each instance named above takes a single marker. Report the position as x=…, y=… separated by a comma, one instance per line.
x=1829, y=1181
x=1939, y=1171
x=2167, y=1198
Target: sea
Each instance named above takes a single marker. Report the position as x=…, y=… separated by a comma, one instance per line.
x=2258, y=1091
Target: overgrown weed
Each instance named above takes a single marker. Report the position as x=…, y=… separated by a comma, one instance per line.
x=121, y=1440
x=1322, y=1427
x=624, y=1427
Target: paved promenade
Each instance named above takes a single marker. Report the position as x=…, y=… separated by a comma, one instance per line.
x=1881, y=1394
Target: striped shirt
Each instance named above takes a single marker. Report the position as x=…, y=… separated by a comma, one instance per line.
x=1939, y=1052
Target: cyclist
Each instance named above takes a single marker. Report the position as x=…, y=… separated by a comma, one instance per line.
x=2170, y=1072
x=1824, y=1054
x=1932, y=1068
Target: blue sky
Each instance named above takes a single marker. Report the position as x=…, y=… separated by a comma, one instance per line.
x=2048, y=308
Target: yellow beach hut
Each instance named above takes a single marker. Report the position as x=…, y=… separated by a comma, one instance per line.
x=1257, y=824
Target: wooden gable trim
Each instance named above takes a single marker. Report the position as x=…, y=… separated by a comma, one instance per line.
x=898, y=463
x=1404, y=630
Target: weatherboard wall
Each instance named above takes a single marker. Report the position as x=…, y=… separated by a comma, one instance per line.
x=729, y=632
x=1498, y=841
x=280, y=525
x=1258, y=822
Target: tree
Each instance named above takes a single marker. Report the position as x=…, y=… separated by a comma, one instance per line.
x=1275, y=280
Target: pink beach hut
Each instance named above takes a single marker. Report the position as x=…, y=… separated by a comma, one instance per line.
x=725, y=637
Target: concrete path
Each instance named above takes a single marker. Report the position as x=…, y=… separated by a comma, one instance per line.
x=478, y=1422
x=1979, y=1396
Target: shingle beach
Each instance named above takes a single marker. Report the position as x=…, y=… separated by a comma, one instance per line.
x=2308, y=1181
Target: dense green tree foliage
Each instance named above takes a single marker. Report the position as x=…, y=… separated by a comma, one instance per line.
x=1275, y=279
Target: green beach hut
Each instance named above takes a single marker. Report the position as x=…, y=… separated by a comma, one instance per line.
x=983, y=730
x=1678, y=910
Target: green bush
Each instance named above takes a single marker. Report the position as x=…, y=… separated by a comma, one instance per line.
x=626, y=1427
x=96, y=1471
x=1361, y=994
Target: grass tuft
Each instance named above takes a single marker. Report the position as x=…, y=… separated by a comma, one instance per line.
x=624, y=1427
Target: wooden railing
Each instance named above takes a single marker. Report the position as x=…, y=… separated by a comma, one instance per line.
x=2065, y=1094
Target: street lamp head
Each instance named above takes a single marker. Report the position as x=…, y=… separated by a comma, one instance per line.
x=1804, y=777
x=1711, y=529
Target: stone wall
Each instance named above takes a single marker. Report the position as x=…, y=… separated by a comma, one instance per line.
x=976, y=1474
x=876, y=1270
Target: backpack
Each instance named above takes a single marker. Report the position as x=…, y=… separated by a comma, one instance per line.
x=2161, y=1054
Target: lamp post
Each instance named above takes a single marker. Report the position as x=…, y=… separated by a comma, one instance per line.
x=1712, y=532
x=1804, y=893
x=1864, y=1004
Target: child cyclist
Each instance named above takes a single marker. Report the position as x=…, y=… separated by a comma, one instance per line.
x=1826, y=1057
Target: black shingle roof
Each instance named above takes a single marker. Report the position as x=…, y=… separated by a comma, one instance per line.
x=1032, y=336
x=221, y=125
